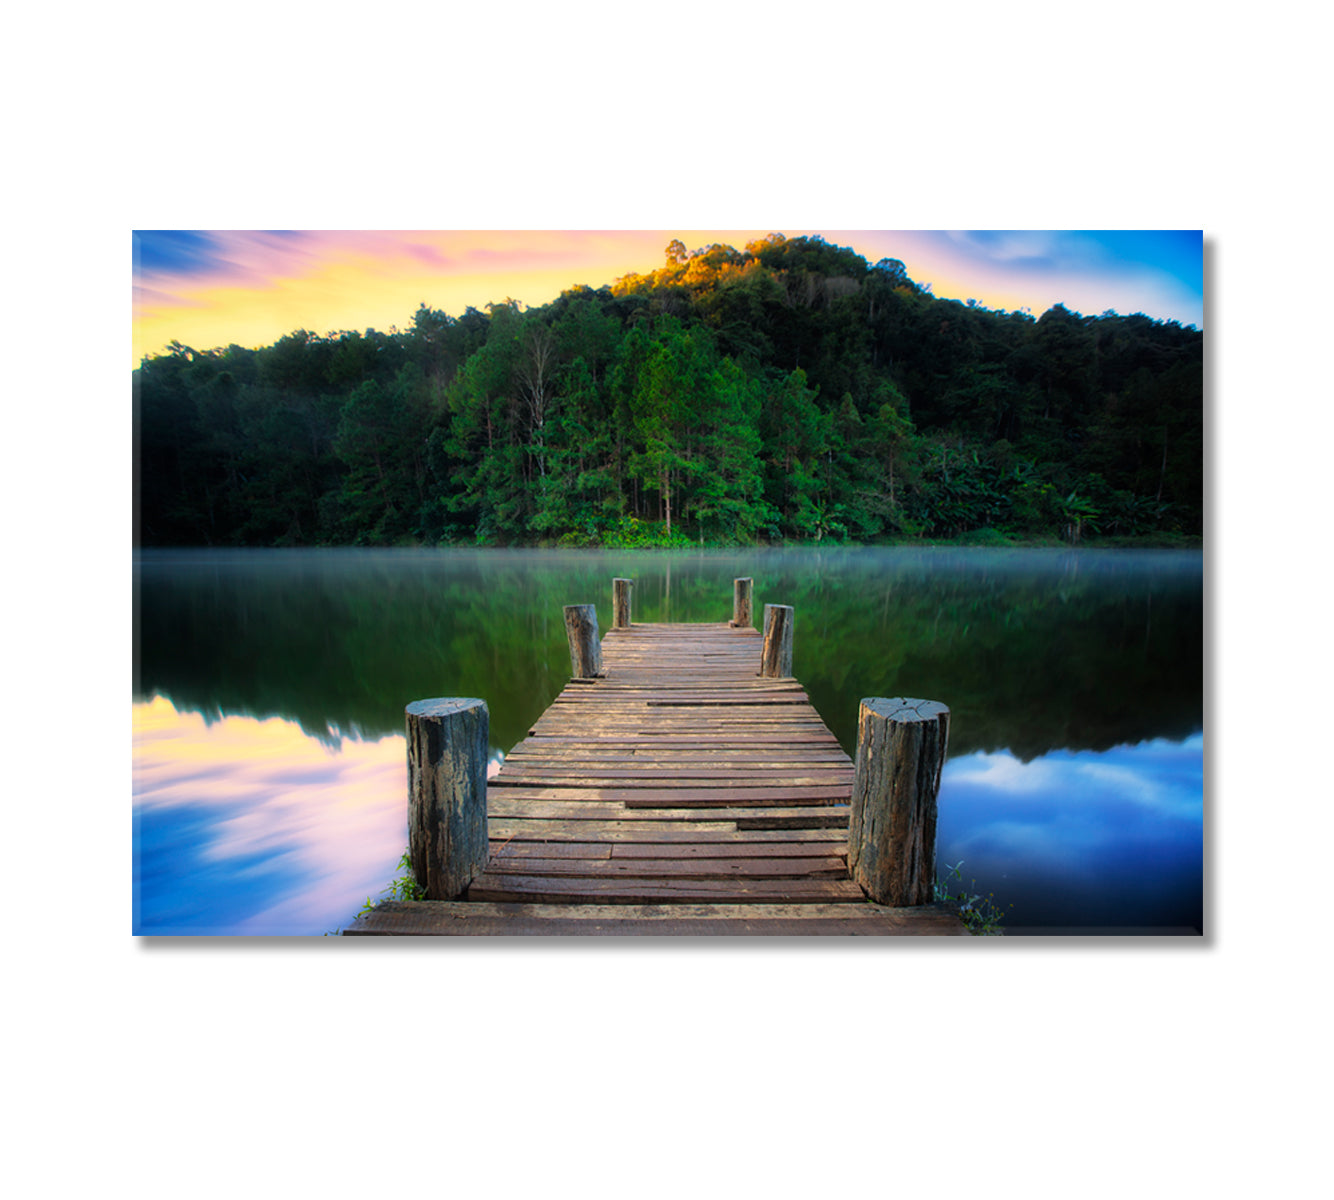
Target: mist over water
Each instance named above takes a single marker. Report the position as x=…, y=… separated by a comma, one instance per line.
x=1073, y=791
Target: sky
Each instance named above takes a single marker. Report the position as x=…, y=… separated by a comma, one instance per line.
x=207, y=289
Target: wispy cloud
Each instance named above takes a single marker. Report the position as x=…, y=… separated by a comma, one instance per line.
x=211, y=288
x=259, y=828
x=1071, y=829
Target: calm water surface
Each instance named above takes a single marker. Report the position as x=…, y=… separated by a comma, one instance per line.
x=269, y=764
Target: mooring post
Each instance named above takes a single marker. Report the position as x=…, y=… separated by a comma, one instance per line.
x=776, y=655
x=742, y=612
x=581, y=627
x=901, y=746
x=447, y=752
x=620, y=603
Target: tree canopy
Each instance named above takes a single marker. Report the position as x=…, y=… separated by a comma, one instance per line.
x=789, y=391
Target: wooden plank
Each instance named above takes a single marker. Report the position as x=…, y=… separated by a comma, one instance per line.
x=811, y=846
x=670, y=682
x=502, y=799
x=665, y=760
x=775, y=718
x=735, y=796
x=650, y=869
x=507, y=849
x=498, y=807
x=796, y=818
x=587, y=810
x=719, y=736
x=492, y=886
x=620, y=834
x=639, y=700
x=644, y=693
x=486, y=919
x=679, y=791
x=792, y=772
x=733, y=719
x=702, y=739
x=616, y=830
x=828, y=784
x=650, y=755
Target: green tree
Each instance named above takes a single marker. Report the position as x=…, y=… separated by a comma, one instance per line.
x=381, y=440
x=726, y=499
x=665, y=405
x=580, y=496
x=793, y=435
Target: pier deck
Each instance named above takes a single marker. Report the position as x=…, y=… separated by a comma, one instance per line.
x=679, y=793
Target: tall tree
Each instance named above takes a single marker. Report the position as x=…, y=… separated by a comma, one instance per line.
x=381, y=439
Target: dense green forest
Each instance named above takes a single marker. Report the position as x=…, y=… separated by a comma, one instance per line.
x=787, y=392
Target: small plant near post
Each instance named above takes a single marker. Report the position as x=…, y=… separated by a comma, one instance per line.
x=980, y=914
x=403, y=886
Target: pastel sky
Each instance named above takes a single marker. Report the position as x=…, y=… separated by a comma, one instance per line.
x=246, y=826
x=214, y=288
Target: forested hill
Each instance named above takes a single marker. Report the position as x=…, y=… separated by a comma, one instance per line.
x=789, y=391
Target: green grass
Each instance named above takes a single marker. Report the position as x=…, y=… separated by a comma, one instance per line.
x=980, y=914
x=403, y=886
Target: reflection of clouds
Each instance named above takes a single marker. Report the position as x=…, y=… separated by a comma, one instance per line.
x=1001, y=771
x=331, y=822
x=1120, y=830
x=1164, y=776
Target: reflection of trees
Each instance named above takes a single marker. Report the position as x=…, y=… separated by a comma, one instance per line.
x=1031, y=650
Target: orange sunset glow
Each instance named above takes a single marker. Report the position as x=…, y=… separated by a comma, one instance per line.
x=250, y=288
x=261, y=286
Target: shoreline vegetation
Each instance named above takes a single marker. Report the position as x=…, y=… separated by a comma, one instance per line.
x=786, y=394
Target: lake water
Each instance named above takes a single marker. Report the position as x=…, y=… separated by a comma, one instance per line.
x=270, y=779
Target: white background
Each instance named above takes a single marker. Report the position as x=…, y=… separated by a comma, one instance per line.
x=353, y=1069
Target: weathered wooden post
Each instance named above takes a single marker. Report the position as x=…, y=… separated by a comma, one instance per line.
x=901, y=747
x=620, y=603
x=776, y=655
x=447, y=751
x=742, y=611
x=581, y=627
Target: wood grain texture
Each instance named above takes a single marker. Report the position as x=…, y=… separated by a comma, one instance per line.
x=901, y=746
x=483, y=919
x=677, y=792
x=701, y=777
x=776, y=654
x=620, y=603
x=743, y=609
x=581, y=627
x=447, y=828
x=551, y=889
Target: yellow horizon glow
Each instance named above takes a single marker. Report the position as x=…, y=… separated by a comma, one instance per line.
x=258, y=287
x=375, y=280
x=255, y=317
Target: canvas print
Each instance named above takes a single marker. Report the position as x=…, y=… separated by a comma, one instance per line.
x=669, y=583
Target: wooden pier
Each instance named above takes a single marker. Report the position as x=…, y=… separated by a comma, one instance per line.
x=676, y=792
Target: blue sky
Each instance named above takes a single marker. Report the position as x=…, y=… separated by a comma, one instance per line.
x=250, y=287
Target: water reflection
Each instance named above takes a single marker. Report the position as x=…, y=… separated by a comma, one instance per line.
x=1081, y=838
x=1031, y=649
x=1075, y=680
x=245, y=826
